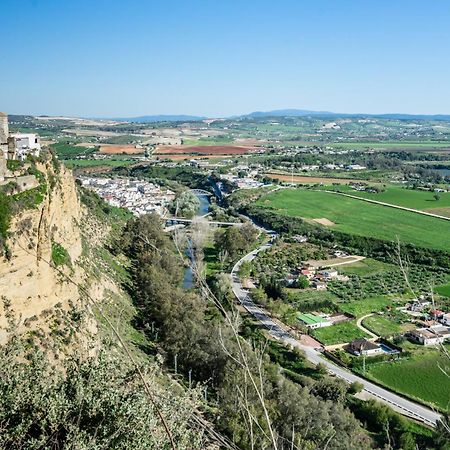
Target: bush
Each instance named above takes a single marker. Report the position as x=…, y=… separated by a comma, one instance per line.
x=355, y=387
x=60, y=256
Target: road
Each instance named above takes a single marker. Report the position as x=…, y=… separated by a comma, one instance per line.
x=277, y=331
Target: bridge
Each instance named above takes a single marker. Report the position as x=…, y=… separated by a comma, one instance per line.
x=175, y=220
x=200, y=192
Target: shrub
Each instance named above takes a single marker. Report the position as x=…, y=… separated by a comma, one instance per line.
x=60, y=256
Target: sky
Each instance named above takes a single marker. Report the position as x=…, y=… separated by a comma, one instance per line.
x=126, y=58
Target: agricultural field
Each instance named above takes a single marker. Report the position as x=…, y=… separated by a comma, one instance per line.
x=443, y=290
x=396, y=145
x=339, y=333
x=385, y=326
x=367, y=266
x=117, y=149
x=419, y=376
x=360, y=308
x=360, y=218
x=107, y=162
x=67, y=151
x=409, y=198
x=311, y=179
x=203, y=150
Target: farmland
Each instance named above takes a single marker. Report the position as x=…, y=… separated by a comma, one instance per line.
x=384, y=326
x=396, y=145
x=419, y=376
x=444, y=290
x=359, y=308
x=310, y=179
x=360, y=218
x=409, y=198
x=117, y=149
x=339, y=333
x=203, y=150
x=65, y=150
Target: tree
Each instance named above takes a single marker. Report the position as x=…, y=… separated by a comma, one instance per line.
x=330, y=389
x=187, y=205
x=302, y=282
x=436, y=196
x=355, y=387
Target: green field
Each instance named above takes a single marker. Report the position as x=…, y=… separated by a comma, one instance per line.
x=412, y=145
x=72, y=163
x=339, y=333
x=360, y=218
x=382, y=326
x=360, y=308
x=366, y=266
x=444, y=290
x=419, y=376
x=67, y=151
x=409, y=198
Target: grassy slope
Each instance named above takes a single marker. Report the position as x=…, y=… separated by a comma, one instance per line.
x=361, y=218
x=419, y=376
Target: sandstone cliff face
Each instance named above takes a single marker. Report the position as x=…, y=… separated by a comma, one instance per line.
x=30, y=285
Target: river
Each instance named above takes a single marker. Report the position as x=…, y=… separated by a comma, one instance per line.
x=203, y=209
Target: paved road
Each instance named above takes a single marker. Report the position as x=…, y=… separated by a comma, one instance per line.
x=277, y=331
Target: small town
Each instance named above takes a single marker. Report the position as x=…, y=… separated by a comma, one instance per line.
x=140, y=197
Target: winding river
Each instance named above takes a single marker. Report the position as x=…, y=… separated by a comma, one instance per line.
x=203, y=209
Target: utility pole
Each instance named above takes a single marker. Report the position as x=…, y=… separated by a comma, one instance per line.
x=292, y=174
x=364, y=358
x=175, y=362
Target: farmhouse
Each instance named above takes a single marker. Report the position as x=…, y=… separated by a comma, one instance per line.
x=307, y=273
x=433, y=335
x=314, y=321
x=329, y=274
x=364, y=347
x=419, y=304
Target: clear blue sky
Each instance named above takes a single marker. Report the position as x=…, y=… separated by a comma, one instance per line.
x=222, y=57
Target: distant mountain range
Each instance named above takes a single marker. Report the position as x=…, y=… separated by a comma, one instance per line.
x=285, y=113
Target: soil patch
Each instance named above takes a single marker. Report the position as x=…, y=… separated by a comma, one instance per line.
x=324, y=221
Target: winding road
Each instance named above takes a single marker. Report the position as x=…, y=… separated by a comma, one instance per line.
x=281, y=333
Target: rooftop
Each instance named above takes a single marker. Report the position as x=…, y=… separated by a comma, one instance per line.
x=310, y=319
x=363, y=344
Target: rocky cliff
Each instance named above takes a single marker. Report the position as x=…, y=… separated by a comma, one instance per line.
x=44, y=249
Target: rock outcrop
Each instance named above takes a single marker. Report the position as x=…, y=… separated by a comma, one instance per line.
x=30, y=282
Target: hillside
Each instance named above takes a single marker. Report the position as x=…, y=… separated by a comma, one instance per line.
x=67, y=341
